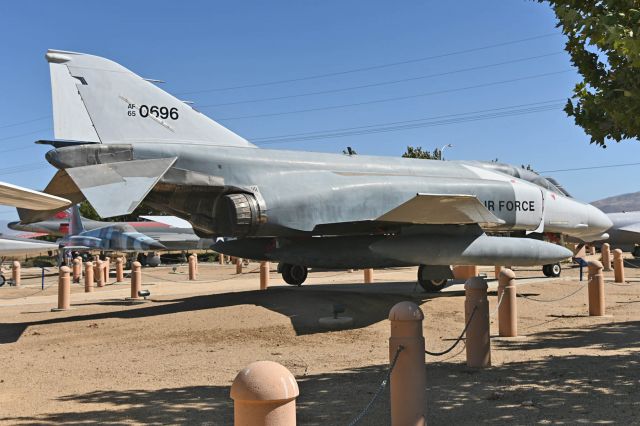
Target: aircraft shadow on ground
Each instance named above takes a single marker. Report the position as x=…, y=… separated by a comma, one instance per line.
x=366, y=304
x=570, y=389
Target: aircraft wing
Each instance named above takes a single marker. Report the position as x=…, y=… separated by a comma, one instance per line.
x=172, y=221
x=11, y=247
x=17, y=196
x=442, y=209
x=634, y=228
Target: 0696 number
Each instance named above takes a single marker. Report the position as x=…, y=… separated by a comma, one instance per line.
x=159, y=112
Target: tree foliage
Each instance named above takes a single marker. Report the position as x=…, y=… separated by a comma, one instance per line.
x=604, y=45
x=418, y=152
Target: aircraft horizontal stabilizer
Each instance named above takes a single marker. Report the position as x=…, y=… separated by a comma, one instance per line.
x=442, y=209
x=17, y=196
x=115, y=189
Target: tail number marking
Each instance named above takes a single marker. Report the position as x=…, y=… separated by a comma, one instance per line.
x=159, y=112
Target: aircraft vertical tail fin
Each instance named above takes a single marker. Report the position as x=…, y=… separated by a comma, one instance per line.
x=97, y=100
x=75, y=221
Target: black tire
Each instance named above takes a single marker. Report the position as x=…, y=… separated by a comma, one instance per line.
x=555, y=270
x=294, y=274
x=546, y=270
x=3, y=280
x=430, y=286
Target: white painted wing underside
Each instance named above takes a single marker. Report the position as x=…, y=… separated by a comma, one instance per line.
x=442, y=209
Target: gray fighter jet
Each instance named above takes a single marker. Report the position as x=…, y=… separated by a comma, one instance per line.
x=120, y=140
x=113, y=237
x=625, y=232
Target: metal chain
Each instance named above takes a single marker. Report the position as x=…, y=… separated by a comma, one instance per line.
x=495, y=311
x=475, y=308
x=552, y=300
x=381, y=387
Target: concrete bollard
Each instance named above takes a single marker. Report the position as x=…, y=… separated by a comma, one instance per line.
x=496, y=271
x=618, y=266
x=77, y=269
x=192, y=268
x=64, y=289
x=478, y=343
x=107, y=268
x=606, y=257
x=368, y=275
x=136, y=279
x=264, y=393
x=596, y=289
x=221, y=258
x=264, y=275
x=16, y=273
x=408, y=378
x=464, y=272
x=99, y=273
x=88, y=277
x=119, y=269
x=508, y=309
x=238, y=265
x=592, y=250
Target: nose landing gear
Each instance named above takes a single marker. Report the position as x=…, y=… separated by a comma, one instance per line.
x=293, y=274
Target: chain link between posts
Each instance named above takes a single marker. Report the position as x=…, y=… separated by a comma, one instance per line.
x=381, y=387
x=458, y=340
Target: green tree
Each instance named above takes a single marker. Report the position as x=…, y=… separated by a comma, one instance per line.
x=604, y=44
x=418, y=152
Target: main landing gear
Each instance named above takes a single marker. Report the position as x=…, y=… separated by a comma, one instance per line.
x=430, y=285
x=552, y=270
x=293, y=274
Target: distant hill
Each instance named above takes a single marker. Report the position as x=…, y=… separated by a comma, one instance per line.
x=619, y=203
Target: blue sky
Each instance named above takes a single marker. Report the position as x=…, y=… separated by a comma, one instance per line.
x=198, y=46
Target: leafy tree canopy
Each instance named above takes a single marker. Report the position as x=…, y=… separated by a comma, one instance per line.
x=604, y=45
x=418, y=152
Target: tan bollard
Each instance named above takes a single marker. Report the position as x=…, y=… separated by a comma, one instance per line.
x=264, y=275
x=496, y=271
x=478, y=344
x=107, y=268
x=238, y=265
x=606, y=257
x=464, y=272
x=88, y=277
x=368, y=275
x=596, y=289
x=77, y=269
x=136, y=280
x=64, y=289
x=408, y=377
x=16, y=273
x=264, y=394
x=508, y=309
x=618, y=266
x=221, y=258
x=192, y=268
x=99, y=273
x=592, y=250
x=119, y=269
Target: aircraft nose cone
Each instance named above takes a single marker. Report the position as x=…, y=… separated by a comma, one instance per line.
x=599, y=222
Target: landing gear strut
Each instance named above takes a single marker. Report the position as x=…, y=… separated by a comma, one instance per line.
x=293, y=274
x=430, y=285
x=552, y=270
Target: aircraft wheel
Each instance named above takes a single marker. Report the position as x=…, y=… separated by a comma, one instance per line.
x=294, y=274
x=552, y=270
x=430, y=286
x=3, y=280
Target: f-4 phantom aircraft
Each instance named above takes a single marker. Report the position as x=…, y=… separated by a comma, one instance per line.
x=121, y=140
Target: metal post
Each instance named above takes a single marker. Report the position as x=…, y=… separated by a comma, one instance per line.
x=264, y=393
x=408, y=377
x=596, y=289
x=478, y=344
x=508, y=309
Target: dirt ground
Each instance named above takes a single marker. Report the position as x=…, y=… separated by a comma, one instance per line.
x=172, y=360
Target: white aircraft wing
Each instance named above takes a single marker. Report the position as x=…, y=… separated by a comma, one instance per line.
x=442, y=209
x=18, y=247
x=17, y=196
x=633, y=228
